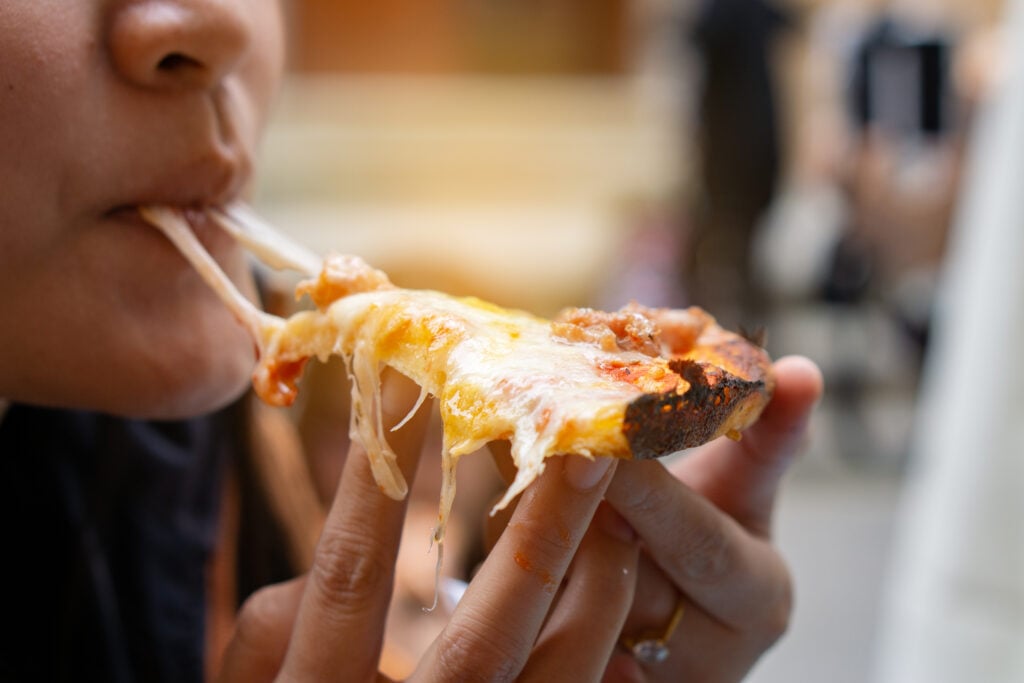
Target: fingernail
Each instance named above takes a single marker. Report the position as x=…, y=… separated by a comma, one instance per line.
x=584, y=473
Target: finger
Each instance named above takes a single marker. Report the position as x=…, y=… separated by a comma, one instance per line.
x=654, y=599
x=494, y=524
x=501, y=454
x=491, y=633
x=742, y=477
x=497, y=520
x=734, y=576
x=583, y=630
x=262, y=631
x=340, y=623
x=699, y=644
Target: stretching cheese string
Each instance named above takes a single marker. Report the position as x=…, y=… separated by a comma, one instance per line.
x=261, y=325
x=367, y=426
x=266, y=243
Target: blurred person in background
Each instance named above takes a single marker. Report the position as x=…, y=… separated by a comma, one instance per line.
x=738, y=131
x=899, y=184
x=859, y=232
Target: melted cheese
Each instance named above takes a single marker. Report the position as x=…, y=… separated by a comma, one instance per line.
x=497, y=374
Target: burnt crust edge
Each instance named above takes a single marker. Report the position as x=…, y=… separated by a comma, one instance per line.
x=659, y=424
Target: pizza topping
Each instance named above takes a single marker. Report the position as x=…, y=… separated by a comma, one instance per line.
x=341, y=276
x=278, y=384
x=680, y=328
x=648, y=377
x=629, y=329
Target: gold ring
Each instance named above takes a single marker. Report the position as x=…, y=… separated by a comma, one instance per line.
x=651, y=648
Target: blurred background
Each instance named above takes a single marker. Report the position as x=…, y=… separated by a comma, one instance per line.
x=794, y=165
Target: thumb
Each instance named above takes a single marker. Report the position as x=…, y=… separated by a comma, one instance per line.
x=742, y=477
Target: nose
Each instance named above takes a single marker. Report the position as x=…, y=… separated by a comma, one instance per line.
x=178, y=44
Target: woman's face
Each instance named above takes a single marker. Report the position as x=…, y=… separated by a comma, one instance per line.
x=106, y=105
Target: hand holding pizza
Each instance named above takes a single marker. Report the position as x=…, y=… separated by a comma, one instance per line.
x=708, y=562
x=556, y=579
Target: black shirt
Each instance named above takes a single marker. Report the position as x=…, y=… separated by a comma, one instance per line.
x=106, y=525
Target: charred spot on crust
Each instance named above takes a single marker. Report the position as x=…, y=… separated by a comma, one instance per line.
x=658, y=424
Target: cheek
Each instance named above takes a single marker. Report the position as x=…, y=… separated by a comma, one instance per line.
x=47, y=79
x=39, y=133
x=31, y=178
x=194, y=368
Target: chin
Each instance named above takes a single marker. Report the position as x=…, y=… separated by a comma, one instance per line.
x=175, y=381
x=205, y=393
x=190, y=386
x=191, y=359
x=207, y=358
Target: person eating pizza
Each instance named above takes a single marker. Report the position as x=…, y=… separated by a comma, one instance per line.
x=124, y=430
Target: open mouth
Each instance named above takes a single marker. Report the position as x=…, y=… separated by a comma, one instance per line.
x=199, y=219
x=236, y=223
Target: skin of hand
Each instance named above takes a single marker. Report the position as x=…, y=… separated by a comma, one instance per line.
x=705, y=529
x=566, y=569
x=107, y=105
x=329, y=624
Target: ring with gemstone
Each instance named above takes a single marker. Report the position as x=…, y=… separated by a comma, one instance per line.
x=653, y=648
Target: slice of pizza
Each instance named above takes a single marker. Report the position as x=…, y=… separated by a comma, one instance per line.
x=636, y=383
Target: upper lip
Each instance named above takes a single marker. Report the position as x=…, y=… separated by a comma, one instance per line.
x=212, y=181
x=209, y=164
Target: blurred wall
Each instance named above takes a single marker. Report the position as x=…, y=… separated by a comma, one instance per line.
x=481, y=36
x=477, y=146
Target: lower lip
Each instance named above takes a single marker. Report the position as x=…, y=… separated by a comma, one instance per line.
x=212, y=237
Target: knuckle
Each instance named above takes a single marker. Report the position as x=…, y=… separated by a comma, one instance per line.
x=704, y=551
x=348, y=575
x=255, y=618
x=647, y=502
x=546, y=544
x=464, y=654
x=263, y=626
x=705, y=554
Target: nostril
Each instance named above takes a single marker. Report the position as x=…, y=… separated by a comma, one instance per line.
x=178, y=43
x=177, y=61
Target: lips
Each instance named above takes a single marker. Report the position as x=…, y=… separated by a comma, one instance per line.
x=215, y=180
x=210, y=235
x=187, y=169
